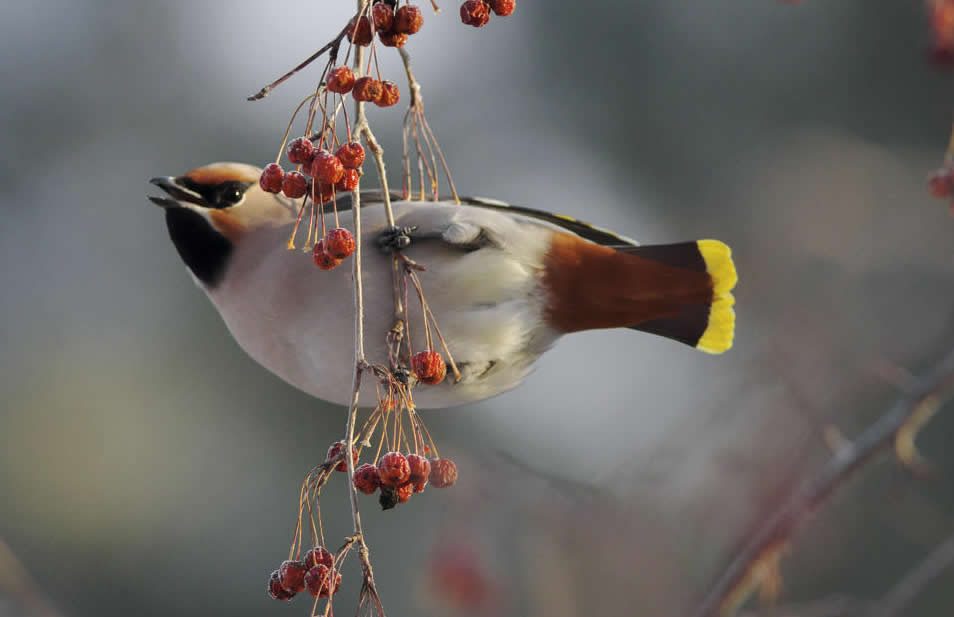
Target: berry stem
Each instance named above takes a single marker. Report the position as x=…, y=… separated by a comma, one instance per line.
x=331, y=46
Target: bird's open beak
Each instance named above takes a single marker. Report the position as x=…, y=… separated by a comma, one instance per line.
x=176, y=192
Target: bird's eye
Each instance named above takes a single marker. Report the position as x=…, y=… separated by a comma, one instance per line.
x=231, y=192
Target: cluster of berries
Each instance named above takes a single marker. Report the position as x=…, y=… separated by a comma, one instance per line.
x=392, y=26
x=381, y=92
x=399, y=476
x=476, y=13
x=315, y=573
x=336, y=171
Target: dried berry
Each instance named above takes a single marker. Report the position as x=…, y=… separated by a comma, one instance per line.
x=359, y=32
x=408, y=19
x=326, y=167
x=295, y=184
x=318, y=555
x=429, y=367
x=318, y=578
x=340, y=80
x=348, y=182
x=420, y=471
x=292, y=576
x=475, y=13
x=393, y=469
x=275, y=589
x=404, y=492
x=324, y=261
x=271, y=178
x=366, y=89
x=366, y=478
x=502, y=7
x=335, y=450
x=390, y=94
x=383, y=16
x=941, y=183
x=443, y=473
x=388, y=498
x=300, y=151
x=351, y=155
x=393, y=39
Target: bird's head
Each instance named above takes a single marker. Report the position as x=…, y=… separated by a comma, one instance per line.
x=210, y=209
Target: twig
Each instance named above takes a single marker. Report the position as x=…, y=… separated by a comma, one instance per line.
x=330, y=45
x=755, y=561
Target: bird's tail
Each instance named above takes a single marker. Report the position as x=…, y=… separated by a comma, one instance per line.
x=680, y=291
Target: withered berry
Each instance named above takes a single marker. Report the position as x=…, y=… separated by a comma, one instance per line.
x=475, y=13
x=359, y=32
x=271, y=178
x=319, y=579
x=420, y=471
x=318, y=555
x=941, y=183
x=388, y=498
x=393, y=39
x=292, y=576
x=408, y=19
x=443, y=473
x=324, y=261
x=404, y=492
x=390, y=94
x=366, y=478
x=429, y=367
x=366, y=89
x=339, y=243
x=348, y=182
x=326, y=167
x=393, y=469
x=335, y=450
x=300, y=151
x=383, y=16
x=275, y=589
x=340, y=80
x=351, y=155
x=503, y=8
x=295, y=184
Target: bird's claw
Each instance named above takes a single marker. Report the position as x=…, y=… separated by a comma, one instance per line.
x=395, y=238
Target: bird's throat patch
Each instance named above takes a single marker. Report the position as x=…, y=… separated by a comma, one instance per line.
x=204, y=250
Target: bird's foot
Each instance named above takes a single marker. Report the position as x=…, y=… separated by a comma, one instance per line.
x=395, y=238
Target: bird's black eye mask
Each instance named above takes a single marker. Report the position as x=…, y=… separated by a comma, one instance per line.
x=223, y=195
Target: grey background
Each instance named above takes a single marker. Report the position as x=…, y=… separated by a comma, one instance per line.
x=148, y=467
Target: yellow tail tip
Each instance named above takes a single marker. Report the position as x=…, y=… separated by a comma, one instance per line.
x=720, y=330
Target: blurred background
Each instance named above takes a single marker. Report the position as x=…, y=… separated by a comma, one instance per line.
x=148, y=467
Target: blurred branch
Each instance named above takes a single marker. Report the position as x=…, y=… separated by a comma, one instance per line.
x=899, y=596
x=16, y=581
x=756, y=565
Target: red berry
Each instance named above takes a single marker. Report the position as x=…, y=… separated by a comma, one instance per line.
x=408, y=19
x=941, y=183
x=339, y=243
x=300, y=151
x=292, y=576
x=271, y=178
x=366, y=89
x=326, y=167
x=390, y=94
x=318, y=555
x=366, y=478
x=393, y=39
x=393, y=469
x=275, y=589
x=335, y=450
x=318, y=578
x=324, y=261
x=420, y=471
x=383, y=16
x=443, y=473
x=502, y=7
x=429, y=367
x=348, y=182
x=360, y=34
x=475, y=13
x=404, y=492
x=340, y=80
x=322, y=192
x=295, y=184
x=351, y=155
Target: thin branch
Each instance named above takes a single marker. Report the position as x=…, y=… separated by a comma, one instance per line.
x=760, y=554
x=331, y=45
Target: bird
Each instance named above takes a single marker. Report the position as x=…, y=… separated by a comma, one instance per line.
x=503, y=282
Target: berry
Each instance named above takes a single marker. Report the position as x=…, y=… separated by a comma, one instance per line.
x=318, y=578
x=366, y=478
x=941, y=183
x=324, y=261
x=393, y=469
x=366, y=89
x=393, y=39
x=292, y=576
x=300, y=151
x=388, y=498
x=340, y=80
x=326, y=167
x=335, y=450
x=275, y=589
x=408, y=19
x=318, y=555
x=323, y=192
x=271, y=178
x=502, y=7
x=348, y=182
x=475, y=13
x=429, y=367
x=295, y=184
x=351, y=155
x=420, y=470
x=390, y=94
x=383, y=16
x=443, y=473
x=339, y=243
x=404, y=492
x=360, y=34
